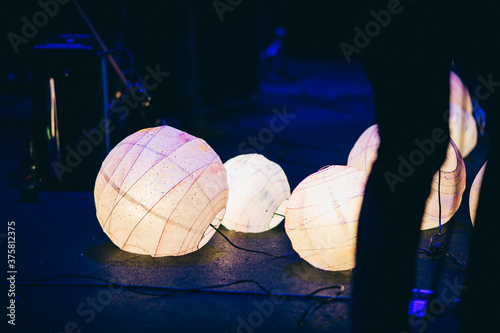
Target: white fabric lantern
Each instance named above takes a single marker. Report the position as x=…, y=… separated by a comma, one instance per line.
x=474, y=193
x=159, y=190
x=459, y=95
x=364, y=152
x=452, y=186
x=258, y=193
x=322, y=217
x=463, y=129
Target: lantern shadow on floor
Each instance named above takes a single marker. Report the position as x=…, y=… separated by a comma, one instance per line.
x=110, y=254
x=303, y=271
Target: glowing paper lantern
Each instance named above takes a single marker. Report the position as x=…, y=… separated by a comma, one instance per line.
x=322, y=217
x=474, y=193
x=463, y=129
x=364, y=152
x=452, y=186
x=258, y=193
x=159, y=190
x=459, y=95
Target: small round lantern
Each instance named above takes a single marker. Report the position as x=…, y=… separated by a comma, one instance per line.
x=364, y=152
x=159, y=190
x=258, y=193
x=322, y=217
x=463, y=129
x=452, y=184
x=459, y=95
x=474, y=193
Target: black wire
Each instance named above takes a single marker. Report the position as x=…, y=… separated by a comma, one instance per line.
x=439, y=198
x=249, y=250
x=435, y=250
x=137, y=288
x=310, y=309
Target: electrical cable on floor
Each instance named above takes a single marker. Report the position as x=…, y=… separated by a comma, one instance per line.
x=249, y=250
x=139, y=289
x=304, y=318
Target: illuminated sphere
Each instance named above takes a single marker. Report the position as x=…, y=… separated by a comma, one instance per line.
x=258, y=193
x=463, y=129
x=322, y=217
x=452, y=188
x=364, y=152
x=474, y=193
x=459, y=95
x=159, y=190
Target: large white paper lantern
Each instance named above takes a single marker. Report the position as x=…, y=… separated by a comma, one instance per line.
x=474, y=193
x=463, y=129
x=459, y=95
x=258, y=193
x=452, y=185
x=159, y=190
x=322, y=217
x=364, y=152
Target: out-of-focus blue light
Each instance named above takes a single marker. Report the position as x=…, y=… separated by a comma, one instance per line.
x=280, y=31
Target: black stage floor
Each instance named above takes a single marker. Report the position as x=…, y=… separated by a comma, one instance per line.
x=59, y=238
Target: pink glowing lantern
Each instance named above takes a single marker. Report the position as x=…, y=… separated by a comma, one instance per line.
x=158, y=192
x=459, y=95
x=474, y=193
x=451, y=185
x=364, y=152
x=463, y=129
x=322, y=217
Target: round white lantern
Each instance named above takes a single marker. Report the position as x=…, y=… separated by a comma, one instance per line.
x=322, y=217
x=459, y=95
x=159, y=190
x=463, y=129
x=474, y=193
x=364, y=152
x=452, y=185
x=258, y=193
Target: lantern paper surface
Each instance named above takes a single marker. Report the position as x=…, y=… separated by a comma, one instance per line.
x=459, y=95
x=364, y=152
x=322, y=217
x=452, y=186
x=474, y=193
x=258, y=193
x=463, y=129
x=159, y=190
